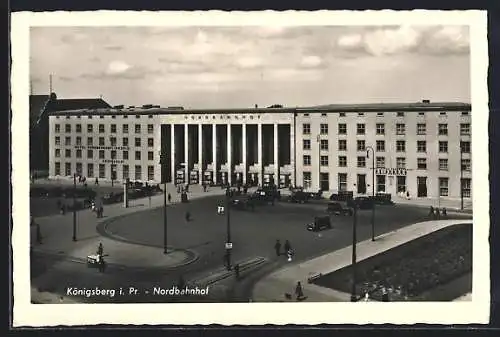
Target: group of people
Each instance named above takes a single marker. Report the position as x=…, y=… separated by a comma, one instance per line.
x=287, y=249
x=436, y=213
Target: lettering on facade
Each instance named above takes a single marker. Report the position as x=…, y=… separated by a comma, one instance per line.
x=113, y=161
x=104, y=147
x=390, y=171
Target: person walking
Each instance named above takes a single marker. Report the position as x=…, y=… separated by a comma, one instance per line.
x=277, y=247
x=299, y=293
x=96, y=180
x=100, y=249
x=169, y=197
x=431, y=211
x=188, y=216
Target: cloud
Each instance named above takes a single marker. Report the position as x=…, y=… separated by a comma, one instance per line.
x=249, y=62
x=311, y=61
x=117, y=67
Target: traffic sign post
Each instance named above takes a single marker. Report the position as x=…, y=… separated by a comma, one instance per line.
x=229, y=245
x=220, y=210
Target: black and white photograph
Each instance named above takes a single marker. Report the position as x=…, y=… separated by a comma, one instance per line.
x=250, y=168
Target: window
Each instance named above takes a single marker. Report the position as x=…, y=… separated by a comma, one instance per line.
x=67, y=141
x=113, y=128
x=305, y=115
x=342, y=161
x=101, y=141
x=342, y=129
x=79, y=141
x=125, y=155
x=89, y=116
x=101, y=117
x=113, y=116
x=137, y=155
x=306, y=180
x=137, y=116
x=400, y=129
x=57, y=128
x=90, y=128
x=67, y=128
x=102, y=170
x=323, y=129
x=360, y=129
x=400, y=146
x=306, y=144
x=113, y=154
x=380, y=113
x=137, y=128
x=465, y=147
x=323, y=160
x=112, y=140
x=422, y=163
x=90, y=170
x=324, y=144
x=342, y=145
x=79, y=168
x=151, y=172
x=57, y=168
x=67, y=169
x=151, y=116
x=443, y=146
x=361, y=145
x=125, y=173
x=125, y=116
x=90, y=141
x=323, y=115
x=442, y=113
x=341, y=114
x=101, y=154
x=380, y=184
x=464, y=129
x=421, y=129
x=466, y=166
x=150, y=142
x=150, y=128
x=443, y=187
x=443, y=129
x=150, y=155
x=306, y=160
x=401, y=184
x=401, y=162
x=125, y=128
x=361, y=113
x=400, y=114
x=465, y=113
x=380, y=145
x=342, y=182
x=421, y=113
x=67, y=153
x=125, y=141
x=380, y=162
x=90, y=154
x=306, y=129
x=466, y=187
x=78, y=153
x=138, y=172
x=361, y=161
x=58, y=153
x=57, y=140
x=443, y=164
x=380, y=129
x=101, y=128
x=137, y=142
x=78, y=128
x=421, y=146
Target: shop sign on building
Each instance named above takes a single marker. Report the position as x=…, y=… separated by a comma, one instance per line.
x=390, y=171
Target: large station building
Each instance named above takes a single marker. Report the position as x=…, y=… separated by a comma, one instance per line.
x=421, y=148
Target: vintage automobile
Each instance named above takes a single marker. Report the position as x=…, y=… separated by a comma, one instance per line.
x=95, y=261
x=319, y=223
x=338, y=209
x=342, y=196
x=299, y=197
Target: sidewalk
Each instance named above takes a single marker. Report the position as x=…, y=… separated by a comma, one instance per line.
x=273, y=287
x=57, y=232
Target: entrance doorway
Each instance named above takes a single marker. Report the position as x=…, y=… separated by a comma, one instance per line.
x=421, y=187
x=324, y=181
x=361, y=183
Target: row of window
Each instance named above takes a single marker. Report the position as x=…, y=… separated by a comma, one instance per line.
x=102, y=116
x=90, y=154
x=421, y=129
x=68, y=170
x=380, y=162
x=112, y=140
x=398, y=114
x=465, y=146
x=381, y=183
x=101, y=128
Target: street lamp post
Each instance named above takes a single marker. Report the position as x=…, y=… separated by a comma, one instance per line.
x=163, y=162
x=461, y=179
x=354, y=258
x=368, y=148
x=228, y=228
x=74, y=207
x=318, y=138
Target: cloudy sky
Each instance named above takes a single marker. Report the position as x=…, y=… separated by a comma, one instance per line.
x=237, y=67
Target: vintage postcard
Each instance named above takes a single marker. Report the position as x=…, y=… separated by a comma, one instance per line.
x=250, y=167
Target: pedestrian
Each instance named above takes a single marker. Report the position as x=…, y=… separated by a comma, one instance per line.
x=38, y=234
x=385, y=295
x=169, y=197
x=63, y=209
x=100, y=249
x=188, y=216
x=204, y=187
x=444, y=212
x=366, y=297
x=277, y=247
x=149, y=198
x=287, y=246
x=96, y=180
x=437, y=213
x=237, y=271
x=431, y=211
x=299, y=292
x=102, y=264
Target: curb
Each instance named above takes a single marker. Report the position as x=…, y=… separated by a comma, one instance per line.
x=244, y=266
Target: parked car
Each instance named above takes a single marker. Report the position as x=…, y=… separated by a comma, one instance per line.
x=361, y=203
x=383, y=199
x=315, y=195
x=299, y=197
x=338, y=209
x=319, y=223
x=342, y=196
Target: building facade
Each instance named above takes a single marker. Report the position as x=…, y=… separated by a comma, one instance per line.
x=423, y=149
